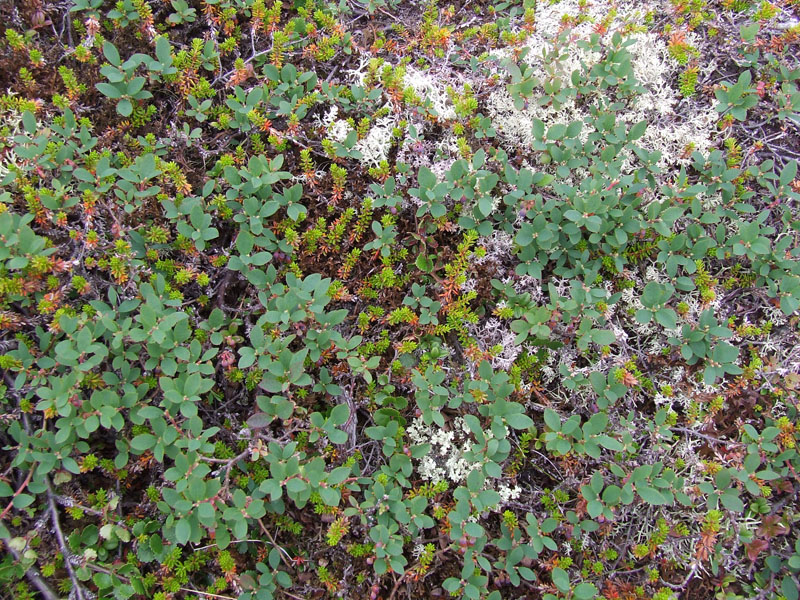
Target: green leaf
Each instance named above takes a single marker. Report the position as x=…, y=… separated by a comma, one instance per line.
x=109, y=90
x=556, y=132
x=561, y=579
x=143, y=441
x=745, y=77
x=244, y=243
x=340, y=414
x=725, y=353
x=574, y=129
x=330, y=496
x=584, y=591
x=424, y=263
x=295, y=485
x=666, y=317
x=789, y=173
x=609, y=443
x=603, y=337
x=475, y=481
x=637, y=131
x=730, y=500
x=438, y=210
x=336, y=436
x=552, y=420
x=655, y=294
x=295, y=210
x=427, y=179
x=537, y=129
x=789, y=587
x=594, y=508
x=748, y=32
x=611, y=494
x=22, y=500
x=650, y=495
x=485, y=206
x=135, y=85
x=163, y=50
x=525, y=235
x=183, y=530
x=29, y=122
x=519, y=421
x=124, y=107
x=111, y=54
x=493, y=470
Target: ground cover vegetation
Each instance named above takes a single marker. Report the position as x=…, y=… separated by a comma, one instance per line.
x=380, y=299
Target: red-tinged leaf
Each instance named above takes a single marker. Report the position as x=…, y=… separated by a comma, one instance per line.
x=771, y=527
x=755, y=548
x=259, y=420
x=247, y=582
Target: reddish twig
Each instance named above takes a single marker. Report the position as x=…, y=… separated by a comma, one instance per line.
x=17, y=493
